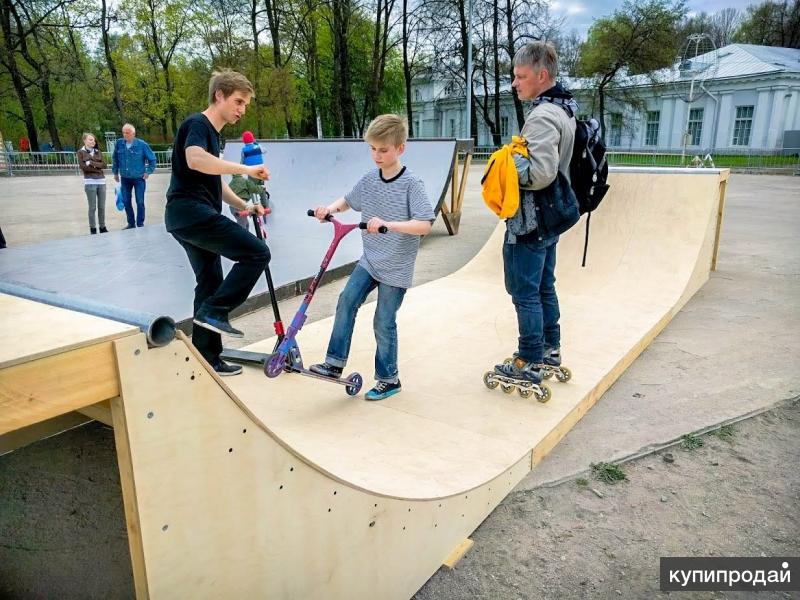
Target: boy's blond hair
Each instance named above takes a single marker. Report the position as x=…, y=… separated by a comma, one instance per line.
x=227, y=82
x=389, y=129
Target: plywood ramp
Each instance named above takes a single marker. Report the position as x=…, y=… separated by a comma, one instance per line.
x=53, y=361
x=288, y=488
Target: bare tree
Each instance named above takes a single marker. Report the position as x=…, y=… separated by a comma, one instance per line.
x=106, y=18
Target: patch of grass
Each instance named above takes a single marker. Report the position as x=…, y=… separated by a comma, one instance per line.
x=726, y=433
x=582, y=481
x=608, y=473
x=691, y=442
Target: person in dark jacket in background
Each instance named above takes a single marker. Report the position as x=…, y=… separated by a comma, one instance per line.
x=132, y=162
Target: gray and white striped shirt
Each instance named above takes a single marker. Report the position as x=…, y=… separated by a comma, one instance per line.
x=389, y=258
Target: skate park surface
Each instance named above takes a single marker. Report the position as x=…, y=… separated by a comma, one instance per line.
x=124, y=267
x=480, y=329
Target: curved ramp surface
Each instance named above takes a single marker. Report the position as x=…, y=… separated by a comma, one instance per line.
x=288, y=488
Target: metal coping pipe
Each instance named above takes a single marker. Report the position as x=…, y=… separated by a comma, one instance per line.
x=160, y=330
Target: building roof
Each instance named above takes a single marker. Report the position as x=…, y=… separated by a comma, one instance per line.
x=733, y=61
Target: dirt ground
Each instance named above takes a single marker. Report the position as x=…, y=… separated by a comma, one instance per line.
x=731, y=497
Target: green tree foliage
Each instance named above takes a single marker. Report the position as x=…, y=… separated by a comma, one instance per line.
x=771, y=24
x=69, y=66
x=639, y=38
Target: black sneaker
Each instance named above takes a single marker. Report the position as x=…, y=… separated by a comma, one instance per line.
x=224, y=369
x=129, y=227
x=93, y=230
x=103, y=230
x=218, y=324
x=383, y=390
x=326, y=370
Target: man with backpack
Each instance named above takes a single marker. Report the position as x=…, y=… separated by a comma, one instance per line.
x=529, y=248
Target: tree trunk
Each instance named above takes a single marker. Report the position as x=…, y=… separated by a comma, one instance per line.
x=341, y=18
x=256, y=67
x=49, y=111
x=497, y=134
x=10, y=62
x=518, y=109
x=112, y=67
x=173, y=110
x=407, y=71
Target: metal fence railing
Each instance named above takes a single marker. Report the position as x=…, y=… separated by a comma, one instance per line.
x=784, y=161
x=46, y=163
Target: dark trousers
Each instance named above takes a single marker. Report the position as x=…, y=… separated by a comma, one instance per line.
x=138, y=186
x=2, y=240
x=530, y=279
x=204, y=243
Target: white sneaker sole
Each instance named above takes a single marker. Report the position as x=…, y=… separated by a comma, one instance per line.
x=217, y=329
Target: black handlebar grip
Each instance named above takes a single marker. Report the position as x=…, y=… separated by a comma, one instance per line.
x=310, y=213
x=381, y=229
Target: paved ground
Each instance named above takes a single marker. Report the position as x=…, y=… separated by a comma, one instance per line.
x=732, y=350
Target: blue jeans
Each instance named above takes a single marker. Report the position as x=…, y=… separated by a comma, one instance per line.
x=530, y=279
x=138, y=184
x=352, y=297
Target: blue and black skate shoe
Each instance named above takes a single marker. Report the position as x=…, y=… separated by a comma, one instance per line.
x=382, y=390
x=326, y=370
x=551, y=356
x=519, y=369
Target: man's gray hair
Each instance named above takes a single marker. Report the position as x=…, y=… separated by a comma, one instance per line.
x=538, y=55
x=130, y=126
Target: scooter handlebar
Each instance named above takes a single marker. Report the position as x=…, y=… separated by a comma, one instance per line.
x=381, y=229
x=247, y=213
x=328, y=217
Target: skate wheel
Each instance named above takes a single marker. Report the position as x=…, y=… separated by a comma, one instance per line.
x=545, y=393
x=508, y=389
x=525, y=392
x=508, y=361
x=275, y=365
x=564, y=375
x=546, y=373
x=489, y=381
x=356, y=381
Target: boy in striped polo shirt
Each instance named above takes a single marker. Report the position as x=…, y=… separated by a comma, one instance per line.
x=393, y=197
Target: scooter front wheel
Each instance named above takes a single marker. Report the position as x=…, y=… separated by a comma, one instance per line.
x=356, y=381
x=274, y=366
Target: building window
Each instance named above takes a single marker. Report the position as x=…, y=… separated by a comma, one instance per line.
x=615, y=135
x=504, y=126
x=651, y=131
x=417, y=96
x=695, y=129
x=452, y=128
x=742, y=125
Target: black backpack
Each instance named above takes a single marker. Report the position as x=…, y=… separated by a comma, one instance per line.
x=588, y=171
x=588, y=167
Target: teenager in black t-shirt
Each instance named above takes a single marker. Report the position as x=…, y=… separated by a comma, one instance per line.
x=194, y=216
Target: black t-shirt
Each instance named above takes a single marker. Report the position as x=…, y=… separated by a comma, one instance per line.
x=193, y=196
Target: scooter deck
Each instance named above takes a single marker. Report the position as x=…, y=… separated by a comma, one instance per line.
x=245, y=357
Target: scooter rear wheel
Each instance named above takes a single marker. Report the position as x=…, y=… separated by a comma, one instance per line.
x=356, y=381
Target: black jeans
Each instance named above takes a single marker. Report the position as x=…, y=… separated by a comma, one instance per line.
x=204, y=243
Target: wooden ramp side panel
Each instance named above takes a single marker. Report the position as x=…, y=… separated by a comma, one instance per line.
x=225, y=511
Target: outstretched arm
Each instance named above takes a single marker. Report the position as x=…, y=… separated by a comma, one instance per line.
x=199, y=159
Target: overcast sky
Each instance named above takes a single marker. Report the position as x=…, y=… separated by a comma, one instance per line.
x=580, y=13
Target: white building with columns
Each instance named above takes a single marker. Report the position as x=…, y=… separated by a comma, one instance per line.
x=751, y=103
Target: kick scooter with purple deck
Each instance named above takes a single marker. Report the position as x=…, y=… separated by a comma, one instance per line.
x=287, y=356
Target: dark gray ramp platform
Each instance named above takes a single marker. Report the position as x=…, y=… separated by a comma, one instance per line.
x=146, y=270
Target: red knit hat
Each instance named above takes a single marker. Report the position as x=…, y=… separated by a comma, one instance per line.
x=247, y=137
